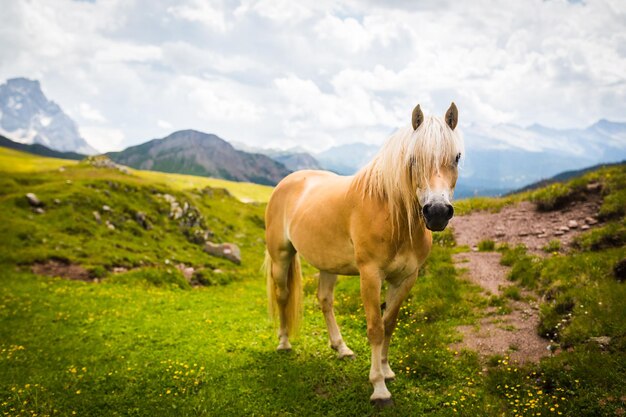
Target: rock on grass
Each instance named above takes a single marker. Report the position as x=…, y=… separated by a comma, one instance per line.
x=33, y=200
x=228, y=251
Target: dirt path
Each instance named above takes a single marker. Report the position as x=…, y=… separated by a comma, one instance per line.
x=514, y=333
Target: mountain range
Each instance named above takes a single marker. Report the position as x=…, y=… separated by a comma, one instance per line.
x=498, y=158
x=28, y=117
x=502, y=158
x=198, y=153
x=39, y=149
x=506, y=157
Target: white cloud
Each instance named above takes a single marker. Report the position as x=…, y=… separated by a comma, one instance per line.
x=355, y=36
x=281, y=11
x=186, y=58
x=316, y=73
x=310, y=107
x=104, y=139
x=217, y=99
x=120, y=52
x=90, y=114
x=163, y=124
x=201, y=11
x=348, y=32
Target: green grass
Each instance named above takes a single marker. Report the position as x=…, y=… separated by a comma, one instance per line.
x=556, y=196
x=69, y=231
x=553, y=246
x=145, y=342
x=469, y=205
x=611, y=235
x=244, y=191
x=486, y=245
x=12, y=161
x=512, y=292
x=16, y=161
x=582, y=301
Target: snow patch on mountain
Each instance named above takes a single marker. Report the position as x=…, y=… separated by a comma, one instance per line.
x=28, y=117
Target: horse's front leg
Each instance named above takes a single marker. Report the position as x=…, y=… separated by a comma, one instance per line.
x=396, y=294
x=371, y=282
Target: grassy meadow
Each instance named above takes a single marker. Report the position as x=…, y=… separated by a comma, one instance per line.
x=15, y=161
x=136, y=338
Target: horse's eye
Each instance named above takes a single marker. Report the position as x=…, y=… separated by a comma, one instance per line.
x=457, y=158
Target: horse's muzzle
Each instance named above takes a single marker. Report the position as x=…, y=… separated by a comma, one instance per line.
x=437, y=215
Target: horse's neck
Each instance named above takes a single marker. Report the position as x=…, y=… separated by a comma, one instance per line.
x=398, y=228
x=418, y=229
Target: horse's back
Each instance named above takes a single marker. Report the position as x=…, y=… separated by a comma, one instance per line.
x=293, y=188
x=310, y=210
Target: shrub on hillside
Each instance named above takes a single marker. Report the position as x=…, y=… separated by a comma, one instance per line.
x=152, y=277
x=613, y=235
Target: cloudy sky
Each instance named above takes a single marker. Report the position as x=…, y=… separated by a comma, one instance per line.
x=315, y=73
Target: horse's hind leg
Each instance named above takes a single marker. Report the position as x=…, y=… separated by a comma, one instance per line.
x=325, y=290
x=281, y=266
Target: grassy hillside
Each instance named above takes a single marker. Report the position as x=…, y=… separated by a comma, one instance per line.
x=583, y=314
x=144, y=342
x=15, y=161
x=245, y=191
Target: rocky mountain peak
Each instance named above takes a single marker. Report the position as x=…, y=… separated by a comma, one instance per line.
x=27, y=116
x=204, y=154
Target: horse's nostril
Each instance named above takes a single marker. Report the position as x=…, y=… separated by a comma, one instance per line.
x=450, y=211
x=426, y=209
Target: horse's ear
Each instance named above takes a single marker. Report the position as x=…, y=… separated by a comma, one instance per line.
x=418, y=117
x=452, y=116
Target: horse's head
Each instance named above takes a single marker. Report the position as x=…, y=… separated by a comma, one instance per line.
x=439, y=158
x=416, y=171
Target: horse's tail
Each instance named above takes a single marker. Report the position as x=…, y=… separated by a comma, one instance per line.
x=293, y=308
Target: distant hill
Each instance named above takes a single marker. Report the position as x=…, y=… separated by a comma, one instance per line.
x=38, y=149
x=507, y=157
x=498, y=159
x=297, y=161
x=342, y=159
x=564, y=176
x=27, y=116
x=198, y=153
x=295, y=158
x=347, y=159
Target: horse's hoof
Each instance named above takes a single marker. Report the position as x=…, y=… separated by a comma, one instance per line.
x=382, y=402
x=283, y=349
x=345, y=354
x=390, y=378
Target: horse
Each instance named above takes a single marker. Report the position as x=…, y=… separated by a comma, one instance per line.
x=377, y=224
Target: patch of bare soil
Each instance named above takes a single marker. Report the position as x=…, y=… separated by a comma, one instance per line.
x=54, y=268
x=513, y=334
x=522, y=223
x=484, y=269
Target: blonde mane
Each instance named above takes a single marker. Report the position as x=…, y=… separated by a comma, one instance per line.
x=404, y=165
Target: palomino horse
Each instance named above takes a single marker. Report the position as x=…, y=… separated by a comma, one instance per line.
x=376, y=224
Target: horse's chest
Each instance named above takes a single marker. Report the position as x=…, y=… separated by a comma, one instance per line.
x=407, y=260
x=402, y=265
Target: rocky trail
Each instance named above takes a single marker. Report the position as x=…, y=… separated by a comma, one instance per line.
x=512, y=331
